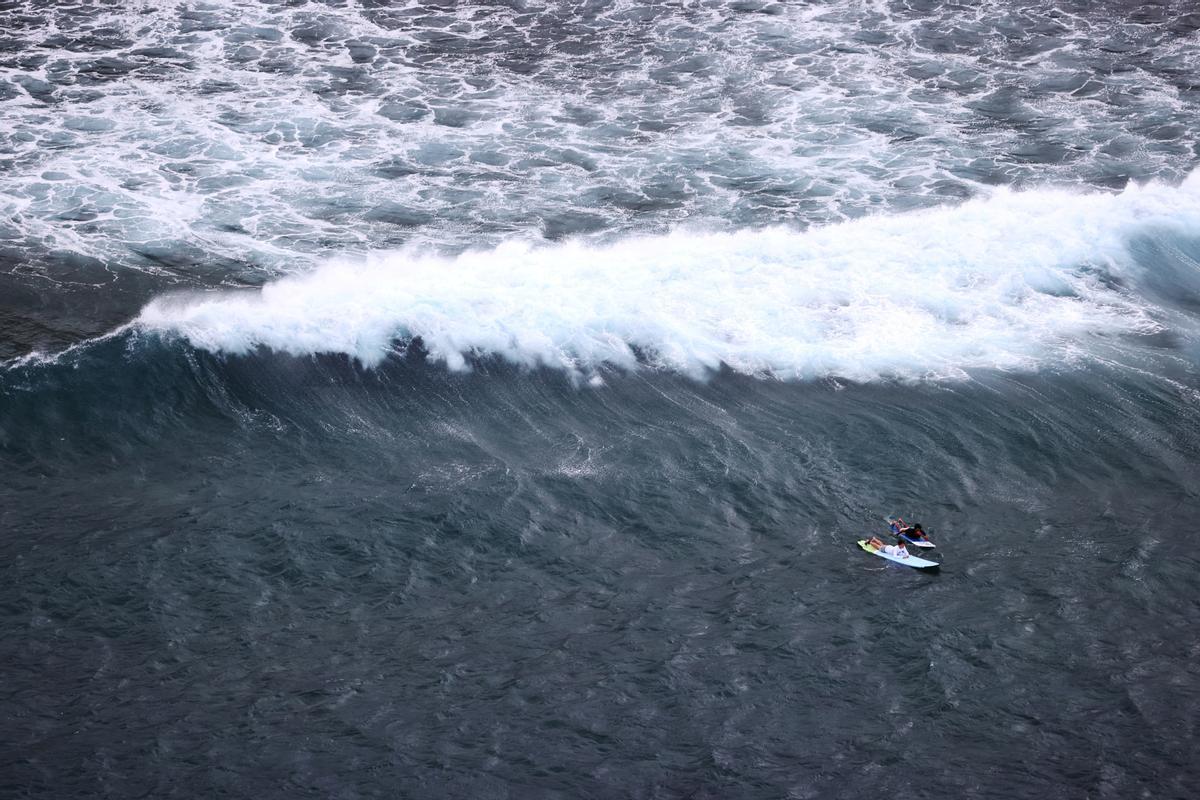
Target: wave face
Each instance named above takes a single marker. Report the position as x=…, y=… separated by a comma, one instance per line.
x=484, y=398
x=296, y=561
x=1016, y=281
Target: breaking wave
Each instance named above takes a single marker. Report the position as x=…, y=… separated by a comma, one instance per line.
x=1017, y=280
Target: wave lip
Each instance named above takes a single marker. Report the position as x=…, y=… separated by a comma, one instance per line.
x=1013, y=281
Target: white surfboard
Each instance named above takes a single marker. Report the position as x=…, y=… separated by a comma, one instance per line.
x=911, y=561
x=894, y=524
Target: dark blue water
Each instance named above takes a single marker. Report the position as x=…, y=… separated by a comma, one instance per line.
x=484, y=400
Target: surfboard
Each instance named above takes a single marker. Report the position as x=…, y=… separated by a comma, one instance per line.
x=911, y=561
x=894, y=524
x=916, y=542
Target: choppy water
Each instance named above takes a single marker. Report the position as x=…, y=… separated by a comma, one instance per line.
x=482, y=400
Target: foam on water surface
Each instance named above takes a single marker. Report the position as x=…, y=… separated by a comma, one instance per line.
x=1015, y=281
x=268, y=136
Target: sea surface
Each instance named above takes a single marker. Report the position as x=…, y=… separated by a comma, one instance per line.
x=483, y=399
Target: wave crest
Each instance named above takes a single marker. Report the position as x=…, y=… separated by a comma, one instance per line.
x=1012, y=281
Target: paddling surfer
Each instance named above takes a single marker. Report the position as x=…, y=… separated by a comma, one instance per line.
x=898, y=550
x=915, y=531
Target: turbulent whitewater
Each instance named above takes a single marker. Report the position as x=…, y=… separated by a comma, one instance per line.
x=483, y=399
x=1006, y=282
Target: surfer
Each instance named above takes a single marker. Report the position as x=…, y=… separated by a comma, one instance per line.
x=897, y=553
x=914, y=531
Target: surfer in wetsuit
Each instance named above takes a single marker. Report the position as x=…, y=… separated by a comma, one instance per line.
x=915, y=531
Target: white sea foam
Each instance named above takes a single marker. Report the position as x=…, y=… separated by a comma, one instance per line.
x=269, y=135
x=1014, y=281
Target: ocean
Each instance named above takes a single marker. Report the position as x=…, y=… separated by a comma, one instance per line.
x=484, y=399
